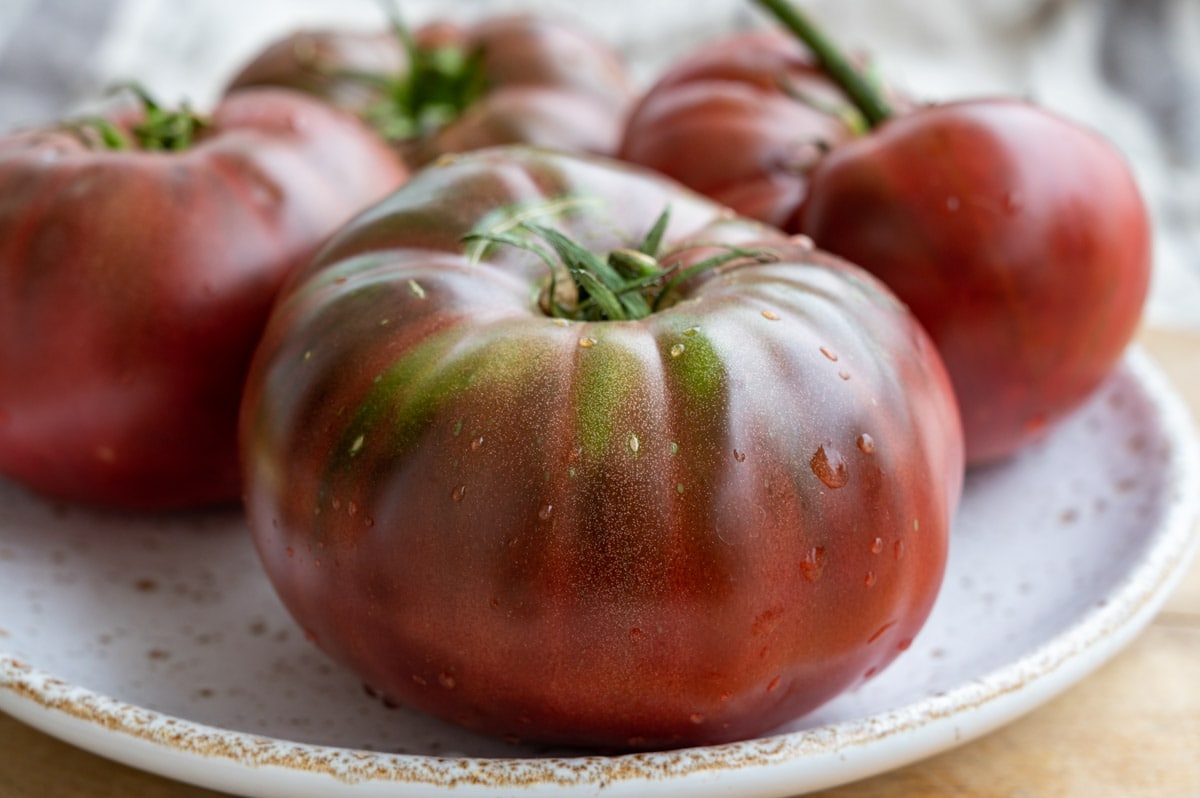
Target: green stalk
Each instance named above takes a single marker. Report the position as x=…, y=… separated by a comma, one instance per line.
x=865, y=96
x=626, y=285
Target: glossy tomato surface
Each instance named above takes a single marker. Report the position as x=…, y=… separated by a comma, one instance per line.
x=686, y=528
x=134, y=286
x=545, y=82
x=743, y=121
x=1018, y=238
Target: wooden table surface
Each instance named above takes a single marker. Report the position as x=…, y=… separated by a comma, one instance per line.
x=1132, y=729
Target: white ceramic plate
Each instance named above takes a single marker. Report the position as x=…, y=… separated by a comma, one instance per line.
x=159, y=644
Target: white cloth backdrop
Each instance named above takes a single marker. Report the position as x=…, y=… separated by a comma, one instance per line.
x=1129, y=68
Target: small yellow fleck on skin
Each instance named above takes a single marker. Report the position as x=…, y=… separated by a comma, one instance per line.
x=770, y=315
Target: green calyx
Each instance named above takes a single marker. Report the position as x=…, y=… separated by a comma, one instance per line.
x=160, y=130
x=861, y=90
x=624, y=285
x=441, y=83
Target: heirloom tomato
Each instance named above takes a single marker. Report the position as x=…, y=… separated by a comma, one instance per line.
x=1019, y=239
x=743, y=121
x=526, y=455
x=513, y=79
x=139, y=256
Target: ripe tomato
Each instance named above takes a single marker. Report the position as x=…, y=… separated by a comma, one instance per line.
x=1019, y=239
x=513, y=79
x=134, y=285
x=686, y=526
x=742, y=121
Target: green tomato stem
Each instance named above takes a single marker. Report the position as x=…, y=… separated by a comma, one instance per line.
x=626, y=285
x=440, y=84
x=837, y=66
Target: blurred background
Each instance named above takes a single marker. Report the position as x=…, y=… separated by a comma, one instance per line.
x=1128, y=68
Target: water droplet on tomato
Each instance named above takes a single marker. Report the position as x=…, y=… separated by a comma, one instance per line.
x=871, y=672
x=587, y=342
x=369, y=521
x=773, y=684
x=829, y=354
x=336, y=503
x=812, y=565
x=679, y=488
x=677, y=350
x=803, y=241
x=459, y=492
x=829, y=466
x=447, y=680
x=898, y=549
x=876, y=545
x=905, y=644
x=690, y=331
x=636, y=634
x=845, y=375
x=634, y=443
x=866, y=444
x=477, y=444
x=546, y=511
x=739, y=456
x=869, y=579
x=881, y=631
x=770, y=315
x=696, y=718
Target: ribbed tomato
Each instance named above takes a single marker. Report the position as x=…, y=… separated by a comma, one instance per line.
x=507, y=79
x=136, y=273
x=686, y=525
x=742, y=120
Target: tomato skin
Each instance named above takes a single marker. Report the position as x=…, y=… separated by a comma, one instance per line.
x=685, y=529
x=549, y=84
x=134, y=286
x=1020, y=241
x=725, y=123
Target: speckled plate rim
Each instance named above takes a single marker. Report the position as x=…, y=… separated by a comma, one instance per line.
x=786, y=764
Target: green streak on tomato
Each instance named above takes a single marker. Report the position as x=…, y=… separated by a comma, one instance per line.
x=604, y=385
